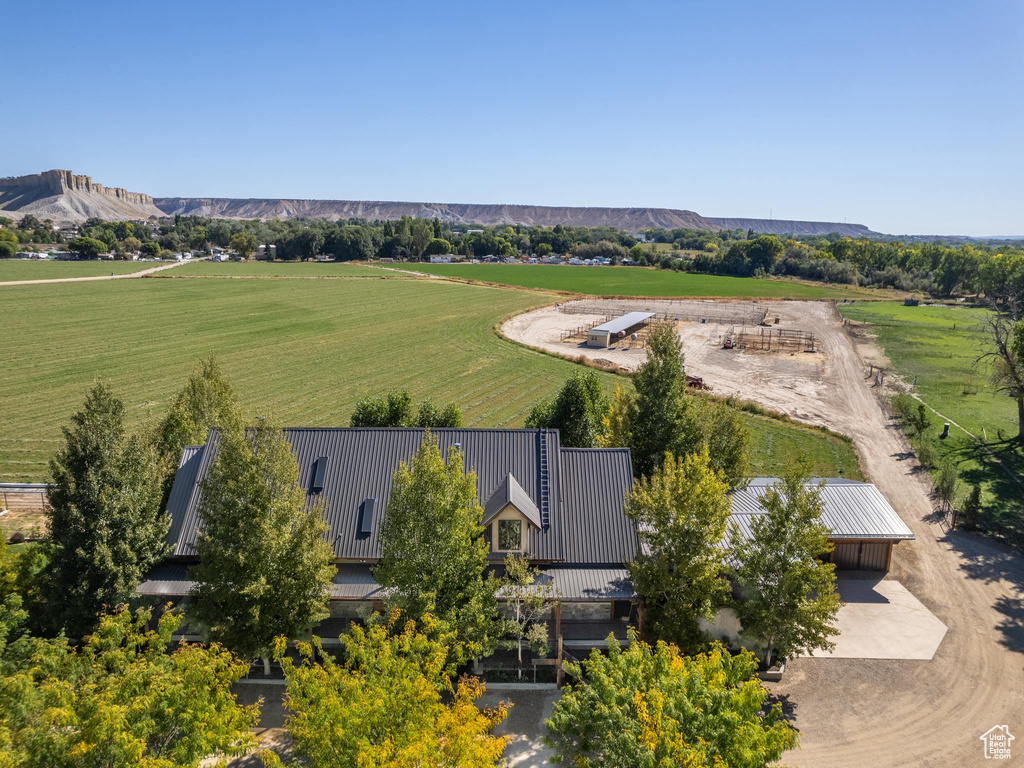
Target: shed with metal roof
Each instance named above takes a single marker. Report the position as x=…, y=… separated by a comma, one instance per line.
x=604, y=334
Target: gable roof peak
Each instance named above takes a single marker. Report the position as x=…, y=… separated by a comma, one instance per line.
x=509, y=491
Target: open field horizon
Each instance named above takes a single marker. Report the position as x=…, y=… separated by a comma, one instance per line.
x=638, y=281
x=305, y=350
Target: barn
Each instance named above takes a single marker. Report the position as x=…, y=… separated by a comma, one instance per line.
x=863, y=526
x=607, y=333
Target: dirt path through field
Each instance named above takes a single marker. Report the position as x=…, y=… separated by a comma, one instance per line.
x=859, y=712
x=124, y=276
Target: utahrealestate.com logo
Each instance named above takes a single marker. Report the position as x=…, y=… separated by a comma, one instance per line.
x=997, y=742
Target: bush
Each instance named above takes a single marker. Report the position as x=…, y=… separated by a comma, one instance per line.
x=925, y=454
x=7, y=250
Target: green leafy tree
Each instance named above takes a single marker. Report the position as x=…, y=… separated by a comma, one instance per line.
x=430, y=416
x=264, y=566
x=645, y=706
x=88, y=247
x=1006, y=357
x=658, y=419
x=527, y=600
x=577, y=411
x=207, y=400
x=391, y=703
x=243, y=244
x=972, y=509
x=788, y=598
x=121, y=700
x=395, y=409
x=151, y=249
x=681, y=513
x=433, y=555
x=8, y=250
x=722, y=431
x=106, y=525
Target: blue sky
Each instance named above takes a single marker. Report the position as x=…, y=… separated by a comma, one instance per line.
x=905, y=116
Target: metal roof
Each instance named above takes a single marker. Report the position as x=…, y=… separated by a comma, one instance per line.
x=850, y=509
x=623, y=323
x=354, y=581
x=510, y=492
x=588, y=523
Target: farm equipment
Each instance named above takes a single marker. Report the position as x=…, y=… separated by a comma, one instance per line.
x=696, y=382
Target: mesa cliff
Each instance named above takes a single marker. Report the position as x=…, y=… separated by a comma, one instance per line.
x=66, y=198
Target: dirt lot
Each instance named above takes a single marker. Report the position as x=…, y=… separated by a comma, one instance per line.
x=856, y=712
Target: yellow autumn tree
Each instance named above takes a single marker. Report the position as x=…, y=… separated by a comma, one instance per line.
x=390, y=704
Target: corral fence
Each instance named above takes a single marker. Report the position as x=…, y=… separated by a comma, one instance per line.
x=17, y=497
x=772, y=339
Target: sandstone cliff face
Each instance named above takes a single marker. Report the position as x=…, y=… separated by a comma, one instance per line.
x=632, y=219
x=67, y=198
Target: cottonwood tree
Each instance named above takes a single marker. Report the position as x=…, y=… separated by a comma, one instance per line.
x=243, y=244
x=528, y=600
x=577, y=411
x=106, y=525
x=433, y=555
x=206, y=401
x=391, y=703
x=121, y=700
x=1006, y=357
x=264, y=566
x=647, y=706
x=788, y=600
x=681, y=514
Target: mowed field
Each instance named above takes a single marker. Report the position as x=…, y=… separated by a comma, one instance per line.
x=40, y=269
x=935, y=349
x=304, y=350
x=634, y=281
x=280, y=269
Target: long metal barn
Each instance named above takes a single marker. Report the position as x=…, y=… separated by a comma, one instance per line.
x=605, y=334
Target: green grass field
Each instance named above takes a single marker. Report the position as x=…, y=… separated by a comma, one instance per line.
x=934, y=349
x=39, y=269
x=634, y=281
x=306, y=350
x=279, y=269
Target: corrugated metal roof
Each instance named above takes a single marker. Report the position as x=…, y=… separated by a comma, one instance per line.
x=588, y=525
x=510, y=492
x=355, y=581
x=595, y=482
x=623, y=323
x=594, y=583
x=182, y=488
x=850, y=509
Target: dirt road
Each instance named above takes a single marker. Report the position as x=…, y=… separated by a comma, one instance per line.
x=877, y=713
x=124, y=276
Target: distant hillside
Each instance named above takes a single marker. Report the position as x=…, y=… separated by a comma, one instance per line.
x=66, y=198
x=632, y=219
x=787, y=227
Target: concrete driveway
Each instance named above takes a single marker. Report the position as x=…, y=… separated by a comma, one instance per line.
x=880, y=619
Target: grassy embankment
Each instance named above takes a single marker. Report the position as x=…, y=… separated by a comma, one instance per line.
x=305, y=350
x=934, y=349
x=636, y=281
x=39, y=269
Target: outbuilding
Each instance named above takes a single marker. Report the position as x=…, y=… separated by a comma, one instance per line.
x=605, y=334
x=863, y=526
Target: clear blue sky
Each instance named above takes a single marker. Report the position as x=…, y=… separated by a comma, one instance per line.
x=905, y=116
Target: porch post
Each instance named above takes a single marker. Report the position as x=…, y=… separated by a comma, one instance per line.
x=557, y=610
x=640, y=618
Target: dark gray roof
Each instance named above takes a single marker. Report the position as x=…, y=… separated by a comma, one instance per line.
x=850, y=509
x=510, y=492
x=585, y=519
x=354, y=581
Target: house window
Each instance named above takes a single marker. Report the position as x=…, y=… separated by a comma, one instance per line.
x=510, y=534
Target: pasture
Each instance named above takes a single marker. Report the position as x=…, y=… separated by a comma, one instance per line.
x=304, y=350
x=280, y=269
x=634, y=281
x=50, y=269
x=934, y=350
